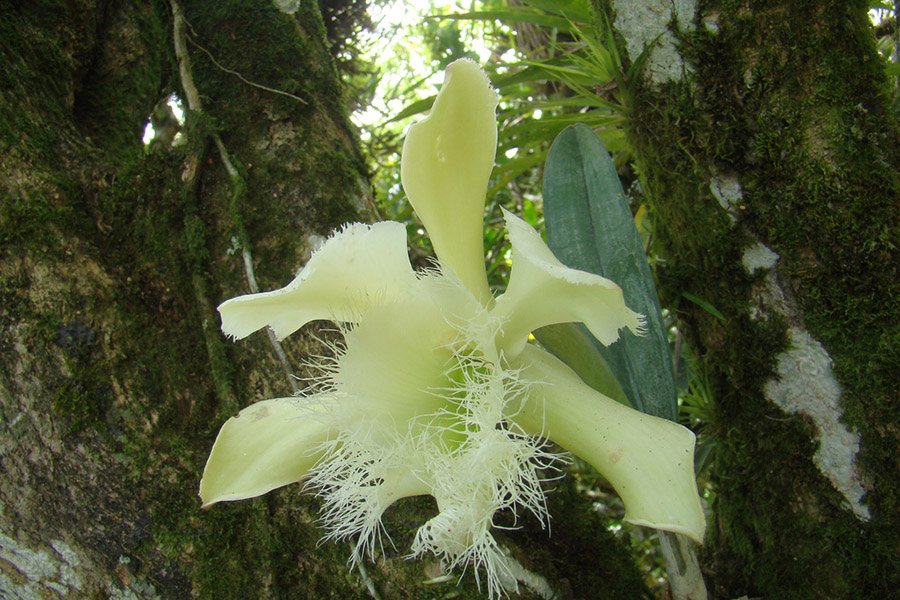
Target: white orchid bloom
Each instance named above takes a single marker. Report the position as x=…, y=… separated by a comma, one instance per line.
x=435, y=389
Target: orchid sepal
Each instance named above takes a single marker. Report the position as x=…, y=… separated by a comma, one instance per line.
x=648, y=460
x=269, y=444
x=446, y=164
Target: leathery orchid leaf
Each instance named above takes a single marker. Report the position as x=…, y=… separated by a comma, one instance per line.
x=447, y=161
x=360, y=266
x=648, y=460
x=590, y=227
x=267, y=445
x=542, y=291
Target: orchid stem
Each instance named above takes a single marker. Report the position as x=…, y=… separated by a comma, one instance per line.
x=685, y=579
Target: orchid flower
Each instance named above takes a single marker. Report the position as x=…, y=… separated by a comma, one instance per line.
x=435, y=388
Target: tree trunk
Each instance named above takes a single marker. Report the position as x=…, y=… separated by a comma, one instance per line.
x=115, y=377
x=767, y=142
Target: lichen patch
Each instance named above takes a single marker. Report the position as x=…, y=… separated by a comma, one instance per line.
x=806, y=385
x=37, y=570
x=647, y=24
x=727, y=190
x=758, y=257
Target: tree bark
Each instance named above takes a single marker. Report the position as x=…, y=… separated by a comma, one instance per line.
x=114, y=376
x=766, y=139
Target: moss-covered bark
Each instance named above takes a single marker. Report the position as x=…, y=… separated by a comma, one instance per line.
x=778, y=134
x=114, y=377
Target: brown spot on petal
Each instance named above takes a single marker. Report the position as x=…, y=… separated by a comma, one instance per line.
x=260, y=413
x=616, y=456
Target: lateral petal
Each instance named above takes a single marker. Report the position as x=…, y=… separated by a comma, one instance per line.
x=267, y=445
x=543, y=291
x=649, y=461
x=447, y=161
x=358, y=267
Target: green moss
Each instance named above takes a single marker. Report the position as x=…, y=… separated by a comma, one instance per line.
x=85, y=394
x=578, y=550
x=171, y=243
x=37, y=55
x=225, y=30
x=307, y=142
x=149, y=240
x=195, y=240
x=30, y=220
x=123, y=81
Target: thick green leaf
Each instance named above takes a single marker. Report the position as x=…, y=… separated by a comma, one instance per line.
x=590, y=227
x=416, y=108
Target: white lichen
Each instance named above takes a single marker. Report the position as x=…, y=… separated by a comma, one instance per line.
x=59, y=571
x=287, y=6
x=69, y=563
x=806, y=385
x=39, y=571
x=758, y=257
x=648, y=23
x=710, y=22
x=727, y=190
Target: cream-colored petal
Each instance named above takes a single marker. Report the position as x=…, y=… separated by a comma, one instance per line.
x=649, y=461
x=543, y=291
x=267, y=445
x=360, y=266
x=447, y=161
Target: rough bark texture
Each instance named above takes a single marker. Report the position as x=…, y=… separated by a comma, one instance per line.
x=114, y=378
x=766, y=137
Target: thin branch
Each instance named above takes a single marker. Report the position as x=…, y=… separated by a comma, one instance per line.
x=192, y=96
x=241, y=77
x=226, y=159
x=184, y=62
x=273, y=339
x=370, y=585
